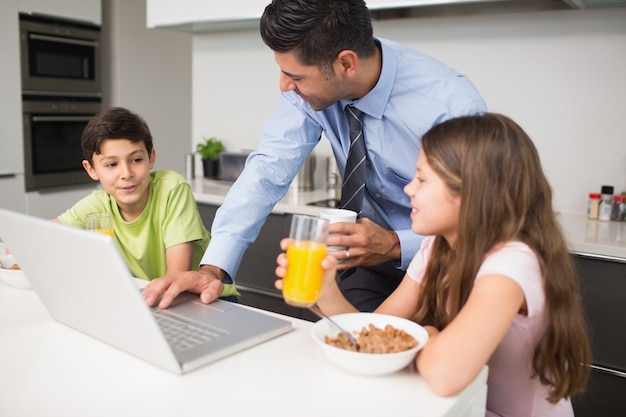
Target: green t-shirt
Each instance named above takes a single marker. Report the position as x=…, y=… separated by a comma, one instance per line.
x=170, y=218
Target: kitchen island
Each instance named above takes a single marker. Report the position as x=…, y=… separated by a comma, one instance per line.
x=51, y=370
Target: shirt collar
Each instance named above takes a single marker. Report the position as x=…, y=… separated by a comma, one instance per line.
x=375, y=101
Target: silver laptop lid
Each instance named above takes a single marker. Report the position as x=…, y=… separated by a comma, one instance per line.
x=83, y=281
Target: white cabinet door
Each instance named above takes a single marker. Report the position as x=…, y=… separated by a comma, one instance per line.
x=49, y=204
x=166, y=12
x=12, y=196
x=11, y=149
x=215, y=15
x=89, y=11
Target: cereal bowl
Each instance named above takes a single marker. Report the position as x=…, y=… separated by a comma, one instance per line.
x=13, y=277
x=368, y=363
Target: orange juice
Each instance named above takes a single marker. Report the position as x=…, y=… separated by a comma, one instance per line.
x=303, y=280
x=105, y=231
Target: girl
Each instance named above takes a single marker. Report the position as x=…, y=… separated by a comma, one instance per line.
x=493, y=282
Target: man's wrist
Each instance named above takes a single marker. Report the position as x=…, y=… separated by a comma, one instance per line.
x=217, y=272
x=396, y=247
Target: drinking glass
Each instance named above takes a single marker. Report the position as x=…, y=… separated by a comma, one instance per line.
x=100, y=222
x=303, y=280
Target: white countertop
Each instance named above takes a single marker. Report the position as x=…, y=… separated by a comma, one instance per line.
x=594, y=237
x=50, y=370
x=295, y=201
x=590, y=237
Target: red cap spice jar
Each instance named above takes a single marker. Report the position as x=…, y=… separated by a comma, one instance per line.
x=593, y=206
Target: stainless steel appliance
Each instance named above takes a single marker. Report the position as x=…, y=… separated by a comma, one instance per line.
x=231, y=164
x=61, y=92
x=305, y=178
x=59, y=57
x=52, y=132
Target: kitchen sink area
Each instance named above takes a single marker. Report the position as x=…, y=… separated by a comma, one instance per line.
x=329, y=203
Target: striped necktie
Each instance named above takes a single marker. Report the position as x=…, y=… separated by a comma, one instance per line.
x=354, y=174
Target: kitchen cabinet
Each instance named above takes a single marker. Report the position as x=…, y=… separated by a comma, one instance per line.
x=89, y=11
x=12, y=193
x=205, y=16
x=200, y=15
x=603, y=287
x=210, y=16
x=48, y=204
x=11, y=150
x=255, y=279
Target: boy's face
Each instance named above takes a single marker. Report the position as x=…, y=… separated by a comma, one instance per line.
x=123, y=169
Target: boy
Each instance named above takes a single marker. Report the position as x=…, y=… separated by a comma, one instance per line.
x=155, y=218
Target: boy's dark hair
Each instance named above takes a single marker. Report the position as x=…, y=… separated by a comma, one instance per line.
x=317, y=30
x=114, y=123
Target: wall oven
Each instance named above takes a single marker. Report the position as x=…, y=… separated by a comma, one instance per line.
x=59, y=57
x=52, y=132
x=61, y=92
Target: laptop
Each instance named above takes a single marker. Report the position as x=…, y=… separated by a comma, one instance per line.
x=83, y=281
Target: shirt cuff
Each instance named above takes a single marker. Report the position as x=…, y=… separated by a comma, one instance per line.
x=225, y=253
x=410, y=244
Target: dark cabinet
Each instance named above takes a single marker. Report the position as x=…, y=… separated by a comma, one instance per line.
x=603, y=288
x=255, y=279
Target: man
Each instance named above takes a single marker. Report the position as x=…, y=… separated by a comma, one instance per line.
x=329, y=60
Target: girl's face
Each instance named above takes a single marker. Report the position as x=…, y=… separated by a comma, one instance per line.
x=123, y=169
x=435, y=208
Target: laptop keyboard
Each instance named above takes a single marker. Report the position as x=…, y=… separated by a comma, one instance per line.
x=182, y=334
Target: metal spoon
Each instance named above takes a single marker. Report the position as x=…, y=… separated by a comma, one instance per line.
x=316, y=309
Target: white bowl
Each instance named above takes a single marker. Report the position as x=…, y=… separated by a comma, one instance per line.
x=13, y=277
x=368, y=363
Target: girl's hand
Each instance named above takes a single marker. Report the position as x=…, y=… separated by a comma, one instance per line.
x=281, y=261
x=329, y=264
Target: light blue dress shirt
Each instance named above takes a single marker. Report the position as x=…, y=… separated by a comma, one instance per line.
x=414, y=92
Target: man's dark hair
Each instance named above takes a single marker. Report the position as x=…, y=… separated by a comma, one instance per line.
x=317, y=30
x=114, y=123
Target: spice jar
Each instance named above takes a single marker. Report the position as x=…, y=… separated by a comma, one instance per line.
x=617, y=208
x=593, y=206
x=606, y=203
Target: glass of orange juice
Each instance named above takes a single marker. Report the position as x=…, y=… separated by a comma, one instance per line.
x=303, y=280
x=100, y=222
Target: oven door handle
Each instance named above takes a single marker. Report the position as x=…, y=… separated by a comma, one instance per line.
x=61, y=118
x=63, y=40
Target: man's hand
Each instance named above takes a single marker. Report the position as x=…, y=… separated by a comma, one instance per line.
x=207, y=282
x=368, y=244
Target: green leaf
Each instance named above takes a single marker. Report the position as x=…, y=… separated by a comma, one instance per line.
x=210, y=148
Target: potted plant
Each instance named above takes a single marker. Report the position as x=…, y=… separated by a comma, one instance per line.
x=209, y=151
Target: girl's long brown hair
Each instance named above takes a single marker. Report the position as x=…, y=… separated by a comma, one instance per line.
x=493, y=165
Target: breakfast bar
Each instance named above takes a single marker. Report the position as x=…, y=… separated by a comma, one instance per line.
x=50, y=370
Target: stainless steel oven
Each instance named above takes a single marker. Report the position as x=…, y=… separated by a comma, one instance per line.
x=52, y=132
x=59, y=57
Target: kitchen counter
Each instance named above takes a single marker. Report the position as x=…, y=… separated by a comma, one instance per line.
x=594, y=238
x=295, y=201
x=589, y=237
x=49, y=369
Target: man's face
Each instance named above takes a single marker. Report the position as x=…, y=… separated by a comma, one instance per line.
x=318, y=89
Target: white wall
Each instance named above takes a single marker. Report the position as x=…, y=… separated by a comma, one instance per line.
x=149, y=72
x=560, y=74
